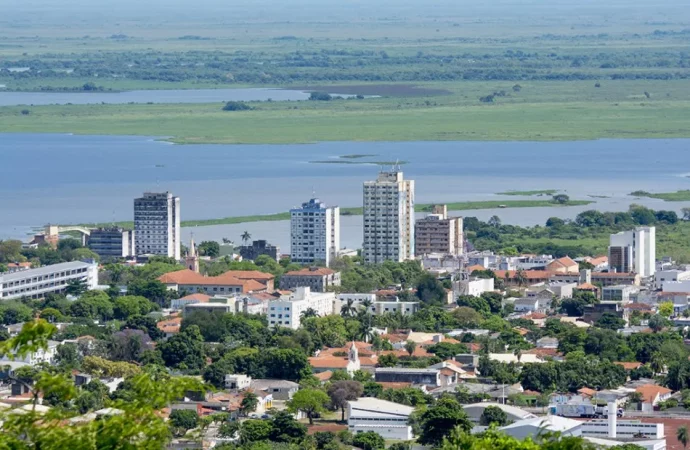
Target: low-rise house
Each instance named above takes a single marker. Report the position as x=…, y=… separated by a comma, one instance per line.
x=227, y=307
x=618, y=293
x=40, y=355
x=652, y=395
x=613, y=278
x=279, y=389
x=179, y=303
x=318, y=279
x=511, y=357
x=527, y=277
x=237, y=382
x=563, y=265
x=111, y=383
x=229, y=283
x=473, y=286
x=329, y=361
x=594, y=312
x=388, y=419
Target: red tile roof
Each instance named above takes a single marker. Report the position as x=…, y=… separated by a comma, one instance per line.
x=324, y=376
x=613, y=274
x=201, y=298
x=394, y=384
x=475, y=267
x=328, y=362
x=189, y=277
x=311, y=271
x=629, y=365
x=650, y=391
x=587, y=391
x=543, y=352
x=529, y=274
x=587, y=287
x=170, y=325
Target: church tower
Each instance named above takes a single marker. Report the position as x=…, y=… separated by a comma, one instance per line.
x=192, y=259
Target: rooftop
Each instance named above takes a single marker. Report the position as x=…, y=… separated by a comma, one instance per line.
x=45, y=270
x=375, y=405
x=311, y=271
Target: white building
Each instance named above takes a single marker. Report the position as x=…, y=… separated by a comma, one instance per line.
x=625, y=429
x=157, y=225
x=380, y=307
x=36, y=283
x=634, y=251
x=314, y=232
x=388, y=218
x=237, y=382
x=385, y=418
x=537, y=426
x=662, y=276
x=286, y=310
x=46, y=355
x=473, y=286
x=113, y=242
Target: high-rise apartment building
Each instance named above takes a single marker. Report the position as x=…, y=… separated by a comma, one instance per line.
x=314, y=232
x=438, y=233
x=157, y=225
x=388, y=218
x=634, y=251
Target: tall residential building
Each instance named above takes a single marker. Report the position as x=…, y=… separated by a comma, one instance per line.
x=388, y=218
x=157, y=225
x=287, y=310
x=113, y=242
x=438, y=233
x=314, y=232
x=634, y=251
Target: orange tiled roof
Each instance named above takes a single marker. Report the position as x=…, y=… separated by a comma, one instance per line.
x=536, y=316
x=612, y=274
x=638, y=306
x=597, y=260
x=587, y=391
x=170, y=325
x=650, y=391
x=587, y=287
x=315, y=271
x=629, y=365
x=201, y=298
x=18, y=265
x=475, y=267
x=250, y=275
x=366, y=361
x=447, y=372
x=186, y=277
x=324, y=376
x=542, y=352
x=328, y=362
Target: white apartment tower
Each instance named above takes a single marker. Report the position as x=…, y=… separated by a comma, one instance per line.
x=388, y=218
x=157, y=225
x=634, y=251
x=314, y=232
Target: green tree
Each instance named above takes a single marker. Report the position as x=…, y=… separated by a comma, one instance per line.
x=285, y=428
x=430, y=290
x=410, y=347
x=610, y=321
x=184, y=350
x=182, y=420
x=369, y=440
x=210, y=249
x=130, y=305
x=342, y=392
x=439, y=420
x=255, y=430
x=246, y=237
x=76, y=287
x=236, y=106
x=249, y=403
x=93, y=305
x=309, y=401
x=666, y=309
x=682, y=435
x=561, y=199
x=493, y=415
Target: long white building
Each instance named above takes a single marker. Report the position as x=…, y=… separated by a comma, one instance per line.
x=157, y=225
x=388, y=218
x=388, y=419
x=314, y=232
x=287, y=310
x=634, y=251
x=36, y=283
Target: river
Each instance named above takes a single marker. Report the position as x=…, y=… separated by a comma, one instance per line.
x=61, y=178
x=151, y=96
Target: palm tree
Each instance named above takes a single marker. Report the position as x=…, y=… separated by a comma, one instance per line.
x=518, y=352
x=307, y=313
x=348, y=309
x=656, y=363
x=410, y=347
x=366, y=306
x=246, y=237
x=520, y=277
x=367, y=333
x=682, y=435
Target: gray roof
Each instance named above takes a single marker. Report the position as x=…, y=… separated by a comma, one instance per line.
x=45, y=270
x=511, y=410
x=273, y=384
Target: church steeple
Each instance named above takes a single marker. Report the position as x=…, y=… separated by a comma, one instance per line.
x=192, y=259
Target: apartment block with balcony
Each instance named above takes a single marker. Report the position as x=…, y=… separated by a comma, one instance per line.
x=438, y=233
x=157, y=225
x=314, y=233
x=388, y=218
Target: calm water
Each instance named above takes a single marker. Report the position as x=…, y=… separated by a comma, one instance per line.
x=150, y=96
x=74, y=179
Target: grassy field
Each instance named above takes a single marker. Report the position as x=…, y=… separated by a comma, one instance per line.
x=357, y=211
x=540, y=111
x=678, y=196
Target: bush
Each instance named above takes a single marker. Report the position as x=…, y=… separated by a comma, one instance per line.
x=320, y=96
x=236, y=106
x=368, y=441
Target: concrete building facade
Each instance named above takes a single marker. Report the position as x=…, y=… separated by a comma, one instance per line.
x=53, y=279
x=388, y=419
x=438, y=233
x=318, y=279
x=287, y=310
x=111, y=243
x=258, y=248
x=157, y=225
x=314, y=233
x=634, y=251
x=388, y=218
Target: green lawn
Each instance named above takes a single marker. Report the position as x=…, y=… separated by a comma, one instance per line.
x=541, y=111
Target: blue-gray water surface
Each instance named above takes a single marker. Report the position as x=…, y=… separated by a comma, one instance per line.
x=60, y=178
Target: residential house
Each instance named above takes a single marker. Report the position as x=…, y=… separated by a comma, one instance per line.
x=430, y=377
x=279, y=389
x=619, y=292
x=652, y=395
x=229, y=283
x=237, y=382
x=613, y=278
x=563, y=265
x=547, y=342
x=527, y=278
x=179, y=303
x=523, y=305
x=331, y=362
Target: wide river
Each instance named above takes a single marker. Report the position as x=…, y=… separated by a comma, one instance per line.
x=151, y=96
x=78, y=179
